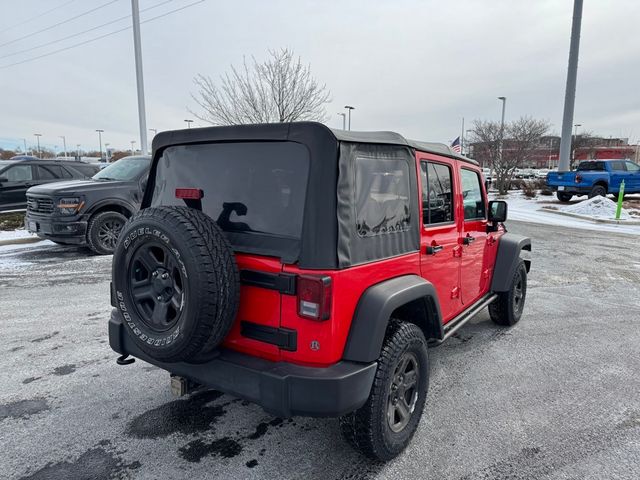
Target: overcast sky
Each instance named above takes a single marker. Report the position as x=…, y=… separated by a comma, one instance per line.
x=413, y=66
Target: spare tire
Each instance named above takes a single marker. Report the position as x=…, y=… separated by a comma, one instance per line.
x=176, y=283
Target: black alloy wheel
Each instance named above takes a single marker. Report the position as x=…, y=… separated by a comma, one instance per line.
x=158, y=289
x=403, y=392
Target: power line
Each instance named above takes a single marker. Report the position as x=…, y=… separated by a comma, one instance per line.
x=58, y=24
x=36, y=17
x=46, y=44
x=97, y=38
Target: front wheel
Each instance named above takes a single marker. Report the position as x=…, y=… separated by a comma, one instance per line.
x=383, y=427
x=103, y=231
x=507, y=309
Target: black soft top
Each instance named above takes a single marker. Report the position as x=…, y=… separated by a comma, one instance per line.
x=292, y=132
x=329, y=233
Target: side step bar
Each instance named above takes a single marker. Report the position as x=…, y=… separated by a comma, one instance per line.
x=453, y=325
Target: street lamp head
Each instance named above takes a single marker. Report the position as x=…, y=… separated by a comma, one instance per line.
x=502, y=98
x=99, y=130
x=349, y=107
x=577, y=125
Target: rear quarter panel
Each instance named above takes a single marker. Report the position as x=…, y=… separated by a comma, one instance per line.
x=348, y=286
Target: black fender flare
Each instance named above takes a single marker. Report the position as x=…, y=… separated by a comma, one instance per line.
x=507, y=258
x=111, y=201
x=374, y=310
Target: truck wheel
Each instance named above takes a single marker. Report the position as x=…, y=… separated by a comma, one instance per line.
x=564, y=197
x=103, y=231
x=507, y=309
x=176, y=283
x=598, y=190
x=385, y=424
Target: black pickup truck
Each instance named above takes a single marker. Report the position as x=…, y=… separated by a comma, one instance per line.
x=89, y=212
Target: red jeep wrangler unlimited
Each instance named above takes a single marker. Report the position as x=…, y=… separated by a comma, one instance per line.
x=307, y=269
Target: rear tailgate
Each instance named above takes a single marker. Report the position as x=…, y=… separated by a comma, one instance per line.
x=556, y=179
x=259, y=313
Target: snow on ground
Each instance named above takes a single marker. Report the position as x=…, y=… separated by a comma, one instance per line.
x=14, y=234
x=8, y=259
x=525, y=209
x=597, y=207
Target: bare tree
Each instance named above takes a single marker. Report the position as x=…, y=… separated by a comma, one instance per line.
x=521, y=138
x=281, y=89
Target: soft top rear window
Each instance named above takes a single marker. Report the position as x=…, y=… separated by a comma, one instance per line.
x=255, y=191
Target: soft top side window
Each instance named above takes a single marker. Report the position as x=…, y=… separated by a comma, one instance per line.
x=382, y=196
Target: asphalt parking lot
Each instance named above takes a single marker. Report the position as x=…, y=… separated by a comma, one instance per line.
x=557, y=396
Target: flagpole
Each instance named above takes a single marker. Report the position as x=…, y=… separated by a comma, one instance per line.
x=462, y=138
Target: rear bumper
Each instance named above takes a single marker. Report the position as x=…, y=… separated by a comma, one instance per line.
x=71, y=230
x=281, y=388
x=570, y=189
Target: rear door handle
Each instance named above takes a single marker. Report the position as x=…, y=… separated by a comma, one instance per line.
x=468, y=240
x=433, y=249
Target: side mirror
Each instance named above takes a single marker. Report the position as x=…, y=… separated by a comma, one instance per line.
x=497, y=211
x=3, y=179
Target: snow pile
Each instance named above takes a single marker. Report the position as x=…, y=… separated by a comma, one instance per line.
x=597, y=207
x=14, y=234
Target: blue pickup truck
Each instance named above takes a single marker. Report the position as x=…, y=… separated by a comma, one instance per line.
x=596, y=177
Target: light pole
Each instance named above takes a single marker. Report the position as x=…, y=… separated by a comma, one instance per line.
x=78, y=151
x=64, y=142
x=188, y=122
x=349, y=108
x=25, y=145
x=132, y=148
x=344, y=120
x=100, y=139
x=38, y=135
x=570, y=90
x=504, y=106
x=106, y=152
x=574, y=140
x=137, y=49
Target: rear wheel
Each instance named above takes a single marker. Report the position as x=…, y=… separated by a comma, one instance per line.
x=176, y=282
x=507, y=309
x=598, y=190
x=383, y=427
x=103, y=231
x=564, y=197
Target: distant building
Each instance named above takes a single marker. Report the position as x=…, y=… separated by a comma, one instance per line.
x=546, y=153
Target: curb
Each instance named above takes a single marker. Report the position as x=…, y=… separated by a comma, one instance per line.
x=20, y=241
x=591, y=219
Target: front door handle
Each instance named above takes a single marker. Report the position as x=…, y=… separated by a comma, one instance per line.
x=433, y=249
x=468, y=240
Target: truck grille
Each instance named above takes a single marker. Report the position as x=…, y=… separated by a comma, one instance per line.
x=39, y=205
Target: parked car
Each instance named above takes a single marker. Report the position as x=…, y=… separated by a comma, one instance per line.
x=22, y=172
x=596, y=177
x=306, y=270
x=89, y=212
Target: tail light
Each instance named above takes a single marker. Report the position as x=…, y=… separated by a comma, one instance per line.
x=189, y=193
x=314, y=296
x=578, y=178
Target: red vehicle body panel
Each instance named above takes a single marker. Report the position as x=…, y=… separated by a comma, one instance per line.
x=460, y=273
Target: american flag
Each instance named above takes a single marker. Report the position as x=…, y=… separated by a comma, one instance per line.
x=455, y=145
